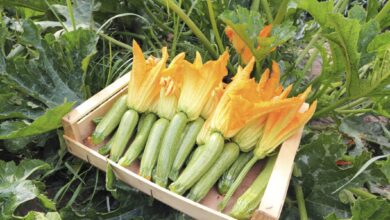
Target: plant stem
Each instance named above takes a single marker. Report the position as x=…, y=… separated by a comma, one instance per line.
x=307, y=48
x=237, y=182
x=71, y=15
x=281, y=12
x=267, y=10
x=156, y=20
x=354, y=111
x=330, y=107
x=362, y=193
x=300, y=197
x=214, y=26
x=383, y=13
x=190, y=24
x=176, y=34
x=155, y=38
x=353, y=104
x=109, y=64
x=116, y=42
x=308, y=64
x=255, y=5
x=301, y=201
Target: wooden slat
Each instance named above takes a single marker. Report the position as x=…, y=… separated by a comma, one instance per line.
x=275, y=193
x=96, y=100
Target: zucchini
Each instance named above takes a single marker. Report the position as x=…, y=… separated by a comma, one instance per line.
x=195, y=154
x=229, y=176
x=105, y=149
x=194, y=171
x=152, y=148
x=250, y=200
x=186, y=145
x=138, y=144
x=237, y=182
x=110, y=120
x=123, y=134
x=169, y=148
x=202, y=187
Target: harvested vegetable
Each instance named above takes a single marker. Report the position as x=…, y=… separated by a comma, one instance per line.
x=231, y=174
x=185, y=147
x=164, y=106
x=202, y=187
x=250, y=200
x=198, y=82
x=139, y=141
x=110, y=120
x=239, y=104
x=270, y=87
x=280, y=126
x=152, y=148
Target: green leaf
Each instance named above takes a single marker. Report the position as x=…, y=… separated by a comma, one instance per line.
x=377, y=77
x=381, y=41
x=357, y=12
x=33, y=215
x=57, y=74
x=15, y=187
x=82, y=14
x=361, y=130
x=321, y=176
x=48, y=121
x=371, y=209
x=385, y=167
x=372, y=9
x=346, y=37
x=319, y=10
x=280, y=34
x=368, y=32
x=247, y=24
x=16, y=105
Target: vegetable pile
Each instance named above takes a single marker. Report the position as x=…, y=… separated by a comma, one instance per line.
x=177, y=105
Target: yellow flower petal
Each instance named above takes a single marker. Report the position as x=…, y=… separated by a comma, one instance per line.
x=268, y=144
x=241, y=103
x=199, y=80
x=144, y=79
x=213, y=101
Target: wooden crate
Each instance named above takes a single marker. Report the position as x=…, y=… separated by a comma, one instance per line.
x=78, y=126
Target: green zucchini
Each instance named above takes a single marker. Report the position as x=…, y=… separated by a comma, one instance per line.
x=110, y=120
x=138, y=144
x=186, y=145
x=123, y=134
x=169, y=148
x=152, y=148
x=194, y=171
x=194, y=156
x=229, y=176
x=202, y=187
x=105, y=149
x=250, y=200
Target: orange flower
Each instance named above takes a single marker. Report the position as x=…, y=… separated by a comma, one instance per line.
x=240, y=46
x=144, y=79
x=199, y=80
x=268, y=88
x=170, y=83
x=282, y=124
x=212, y=102
x=241, y=103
